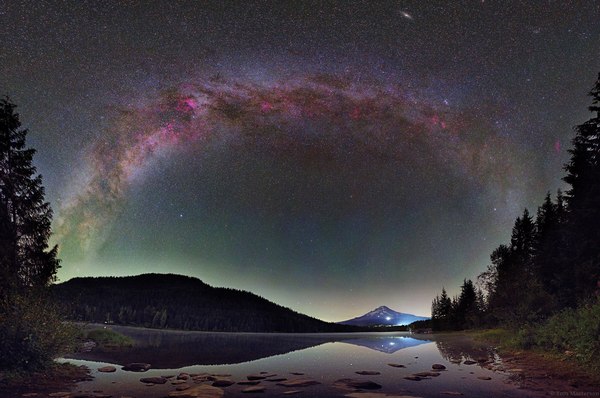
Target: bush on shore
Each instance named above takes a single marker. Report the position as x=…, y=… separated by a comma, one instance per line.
x=575, y=331
x=32, y=332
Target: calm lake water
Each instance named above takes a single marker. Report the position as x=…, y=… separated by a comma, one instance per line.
x=325, y=358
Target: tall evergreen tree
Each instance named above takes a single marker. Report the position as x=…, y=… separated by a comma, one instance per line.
x=583, y=201
x=522, y=242
x=25, y=259
x=466, y=308
x=549, y=255
x=441, y=311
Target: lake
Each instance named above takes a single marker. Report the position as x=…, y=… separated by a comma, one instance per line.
x=323, y=358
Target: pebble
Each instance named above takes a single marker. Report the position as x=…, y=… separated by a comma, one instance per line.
x=107, y=369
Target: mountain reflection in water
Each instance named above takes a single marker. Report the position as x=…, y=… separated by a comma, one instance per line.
x=389, y=345
x=175, y=349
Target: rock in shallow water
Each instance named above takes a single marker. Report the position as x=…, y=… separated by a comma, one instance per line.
x=358, y=384
x=396, y=365
x=107, y=369
x=153, y=380
x=302, y=382
x=136, y=367
x=222, y=383
x=438, y=366
x=256, y=377
x=426, y=374
x=276, y=379
x=368, y=372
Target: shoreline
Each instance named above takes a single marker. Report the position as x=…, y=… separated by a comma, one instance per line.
x=551, y=373
x=59, y=377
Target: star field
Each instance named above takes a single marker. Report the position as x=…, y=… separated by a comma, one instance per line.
x=330, y=156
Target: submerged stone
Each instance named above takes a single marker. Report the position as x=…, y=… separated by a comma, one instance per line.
x=107, y=369
x=427, y=374
x=396, y=365
x=414, y=378
x=136, y=367
x=153, y=380
x=256, y=377
x=303, y=382
x=358, y=384
x=222, y=383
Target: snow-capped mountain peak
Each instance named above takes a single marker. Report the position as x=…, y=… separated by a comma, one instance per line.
x=383, y=315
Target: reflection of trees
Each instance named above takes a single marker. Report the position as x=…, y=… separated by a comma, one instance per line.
x=457, y=349
x=178, y=349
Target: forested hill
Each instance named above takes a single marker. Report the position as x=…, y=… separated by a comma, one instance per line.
x=178, y=302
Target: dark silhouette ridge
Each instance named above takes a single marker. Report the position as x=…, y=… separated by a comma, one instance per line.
x=179, y=302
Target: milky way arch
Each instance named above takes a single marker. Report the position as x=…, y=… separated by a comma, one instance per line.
x=335, y=115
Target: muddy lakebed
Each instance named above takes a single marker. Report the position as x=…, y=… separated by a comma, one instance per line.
x=199, y=364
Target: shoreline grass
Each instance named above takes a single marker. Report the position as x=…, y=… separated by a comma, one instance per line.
x=108, y=339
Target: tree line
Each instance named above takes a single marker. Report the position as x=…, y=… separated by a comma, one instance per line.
x=552, y=261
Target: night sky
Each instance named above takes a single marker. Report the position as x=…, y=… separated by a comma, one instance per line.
x=329, y=156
